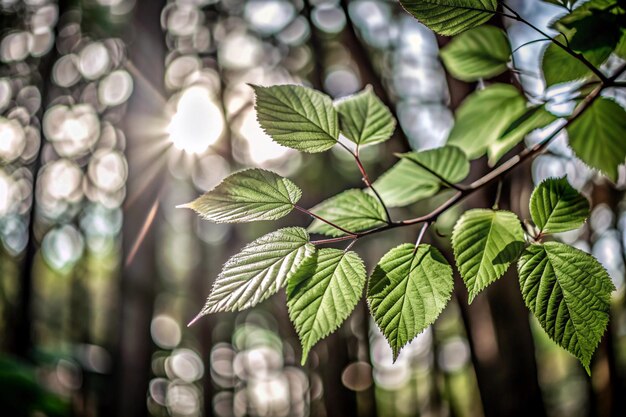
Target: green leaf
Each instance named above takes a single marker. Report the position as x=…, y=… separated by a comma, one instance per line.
x=569, y=292
x=297, y=117
x=364, y=119
x=585, y=10
x=559, y=66
x=407, y=181
x=555, y=206
x=598, y=137
x=319, y=299
x=597, y=32
x=485, y=242
x=354, y=210
x=620, y=49
x=259, y=270
x=248, y=195
x=450, y=17
x=533, y=118
x=407, y=291
x=482, y=52
x=562, y=3
x=483, y=116
x=448, y=161
x=594, y=29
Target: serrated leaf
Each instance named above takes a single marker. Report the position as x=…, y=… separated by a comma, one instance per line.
x=448, y=161
x=364, y=119
x=569, y=292
x=559, y=66
x=297, y=117
x=399, y=187
x=483, y=116
x=555, y=206
x=408, y=182
x=598, y=136
x=354, y=210
x=450, y=17
x=482, y=52
x=248, y=195
x=321, y=299
x=407, y=291
x=259, y=270
x=533, y=118
x=485, y=242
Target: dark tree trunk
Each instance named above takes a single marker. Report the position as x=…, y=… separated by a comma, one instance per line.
x=607, y=399
x=132, y=370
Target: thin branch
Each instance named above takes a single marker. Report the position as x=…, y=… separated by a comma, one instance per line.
x=496, y=174
x=566, y=48
x=328, y=222
x=433, y=215
x=487, y=179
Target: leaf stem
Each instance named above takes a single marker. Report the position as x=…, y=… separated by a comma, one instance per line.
x=333, y=240
x=367, y=180
x=421, y=235
x=328, y=222
x=565, y=47
x=496, y=202
x=528, y=43
x=350, y=245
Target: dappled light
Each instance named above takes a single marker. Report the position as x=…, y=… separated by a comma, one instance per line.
x=434, y=208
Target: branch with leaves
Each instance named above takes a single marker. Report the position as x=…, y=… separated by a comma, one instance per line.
x=566, y=289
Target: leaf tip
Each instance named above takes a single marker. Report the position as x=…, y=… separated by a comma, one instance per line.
x=195, y=319
x=305, y=355
x=186, y=205
x=470, y=297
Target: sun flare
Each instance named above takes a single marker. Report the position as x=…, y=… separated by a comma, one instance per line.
x=198, y=122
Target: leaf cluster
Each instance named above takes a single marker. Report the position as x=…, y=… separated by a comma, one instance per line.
x=566, y=289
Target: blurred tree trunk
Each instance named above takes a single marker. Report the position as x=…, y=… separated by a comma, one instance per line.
x=609, y=386
x=137, y=288
x=21, y=323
